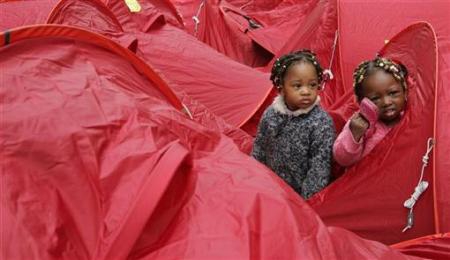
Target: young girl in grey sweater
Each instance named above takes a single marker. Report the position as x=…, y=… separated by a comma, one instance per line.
x=295, y=135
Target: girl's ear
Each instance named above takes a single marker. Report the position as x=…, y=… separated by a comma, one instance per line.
x=280, y=91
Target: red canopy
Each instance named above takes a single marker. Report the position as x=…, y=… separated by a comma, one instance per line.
x=368, y=198
x=431, y=247
x=19, y=13
x=363, y=30
x=188, y=79
x=111, y=128
x=100, y=165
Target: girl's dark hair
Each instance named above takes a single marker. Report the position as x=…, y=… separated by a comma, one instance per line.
x=368, y=67
x=283, y=63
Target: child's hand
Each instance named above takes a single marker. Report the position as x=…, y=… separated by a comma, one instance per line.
x=358, y=126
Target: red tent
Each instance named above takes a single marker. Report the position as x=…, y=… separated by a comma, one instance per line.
x=188, y=79
x=356, y=43
x=99, y=163
x=19, y=13
x=143, y=122
x=431, y=247
x=199, y=70
x=368, y=198
x=434, y=12
x=67, y=119
x=224, y=27
x=372, y=31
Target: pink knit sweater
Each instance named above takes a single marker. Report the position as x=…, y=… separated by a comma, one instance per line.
x=347, y=151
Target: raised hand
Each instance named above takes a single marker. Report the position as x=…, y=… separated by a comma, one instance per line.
x=358, y=126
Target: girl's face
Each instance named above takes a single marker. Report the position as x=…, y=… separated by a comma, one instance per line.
x=387, y=93
x=300, y=86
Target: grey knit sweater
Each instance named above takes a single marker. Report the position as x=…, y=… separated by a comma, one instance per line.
x=296, y=145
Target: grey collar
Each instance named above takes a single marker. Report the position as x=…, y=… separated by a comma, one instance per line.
x=280, y=106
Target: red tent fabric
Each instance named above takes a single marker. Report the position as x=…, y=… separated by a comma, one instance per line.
x=363, y=30
x=64, y=119
x=98, y=164
x=234, y=93
x=188, y=79
x=432, y=247
x=19, y=13
x=94, y=16
x=187, y=10
x=368, y=198
x=244, y=88
x=150, y=12
x=149, y=33
x=224, y=27
x=360, y=27
x=362, y=42
x=251, y=32
x=184, y=75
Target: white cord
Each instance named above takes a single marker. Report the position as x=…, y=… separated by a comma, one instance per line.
x=196, y=19
x=328, y=71
x=419, y=189
x=329, y=74
x=334, y=49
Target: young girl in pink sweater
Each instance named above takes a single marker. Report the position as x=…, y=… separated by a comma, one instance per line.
x=380, y=88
